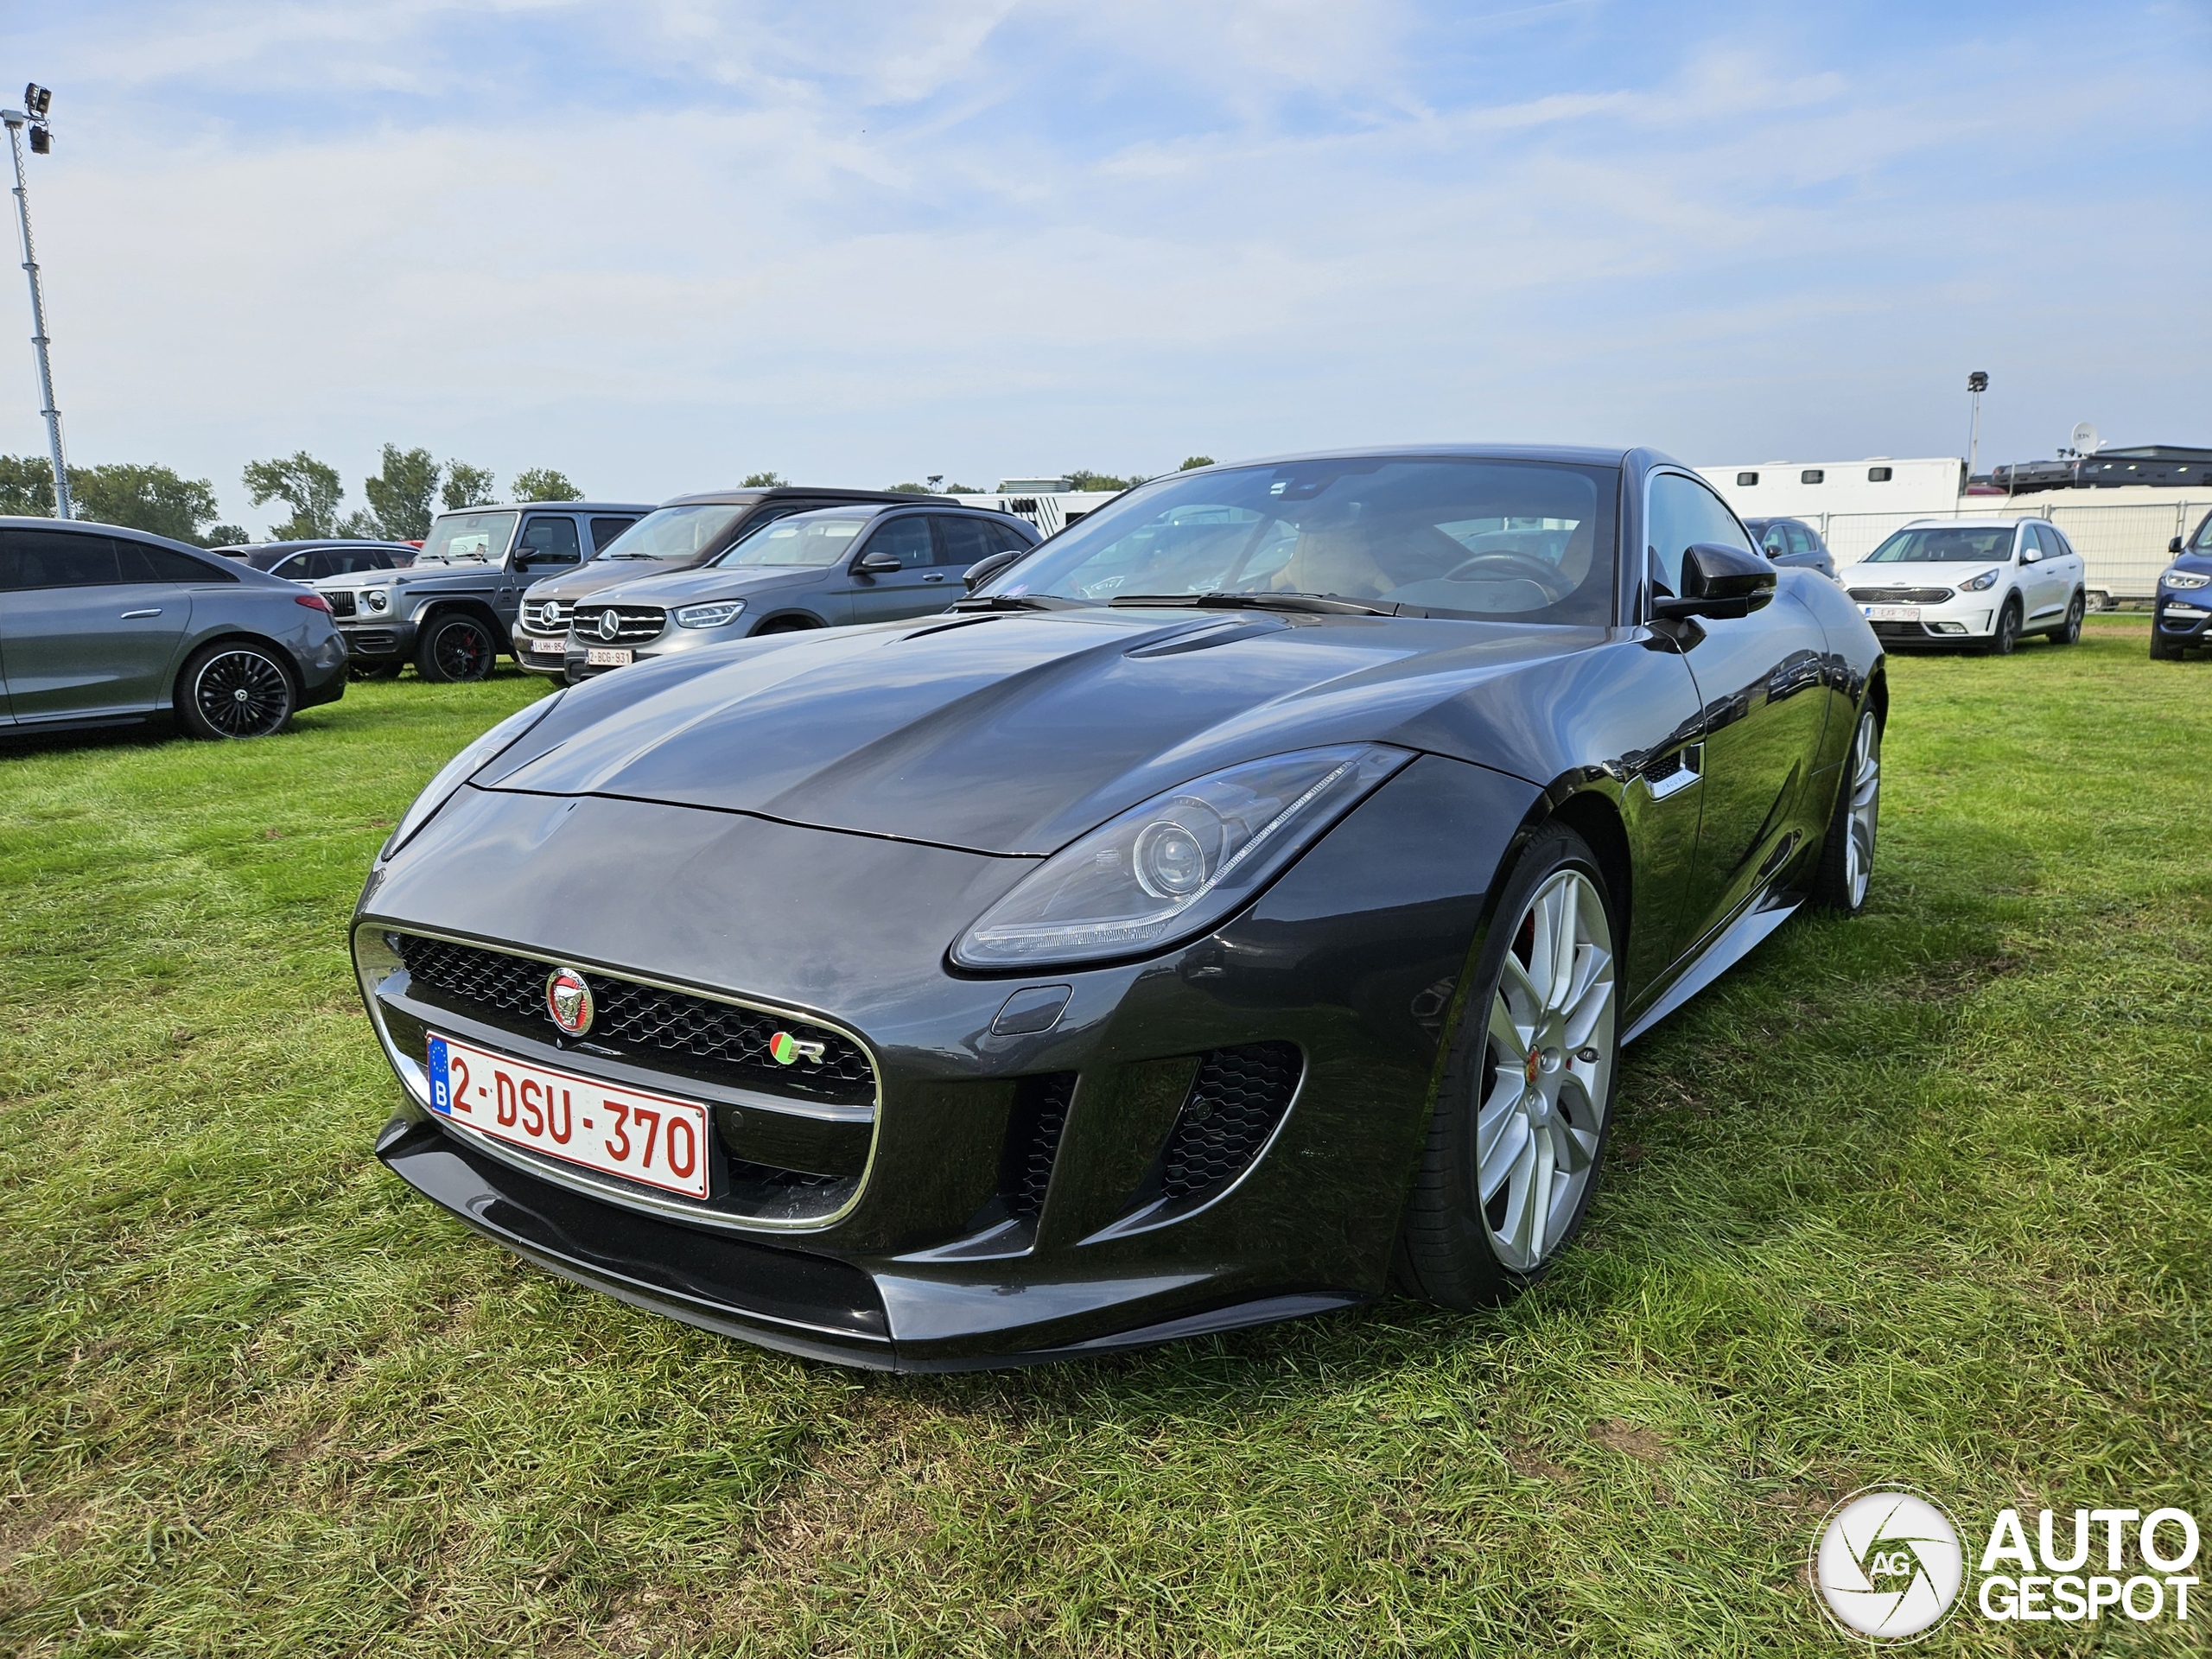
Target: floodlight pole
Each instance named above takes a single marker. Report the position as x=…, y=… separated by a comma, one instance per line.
x=15, y=120
x=1977, y=383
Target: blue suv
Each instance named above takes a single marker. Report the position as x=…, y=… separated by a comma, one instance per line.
x=2183, y=607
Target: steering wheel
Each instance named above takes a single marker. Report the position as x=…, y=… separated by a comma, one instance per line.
x=1502, y=566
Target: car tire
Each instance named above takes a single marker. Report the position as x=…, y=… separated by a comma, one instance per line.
x=234, y=689
x=455, y=648
x=1846, y=866
x=377, y=671
x=2070, y=630
x=2008, y=631
x=2160, y=651
x=1527, y=1089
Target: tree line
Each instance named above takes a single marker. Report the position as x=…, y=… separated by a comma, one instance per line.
x=402, y=498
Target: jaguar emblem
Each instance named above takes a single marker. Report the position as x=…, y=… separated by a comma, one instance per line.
x=567, y=999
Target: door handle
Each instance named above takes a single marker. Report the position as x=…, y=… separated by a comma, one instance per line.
x=132, y=616
x=934, y=575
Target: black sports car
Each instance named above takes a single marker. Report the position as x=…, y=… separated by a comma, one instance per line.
x=1234, y=909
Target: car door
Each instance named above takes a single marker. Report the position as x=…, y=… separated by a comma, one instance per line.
x=915, y=588
x=2048, y=582
x=962, y=541
x=89, y=626
x=547, y=545
x=1761, y=680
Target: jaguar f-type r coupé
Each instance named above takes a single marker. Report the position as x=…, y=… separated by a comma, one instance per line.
x=1232, y=909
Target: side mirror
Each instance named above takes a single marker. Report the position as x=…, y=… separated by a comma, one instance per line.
x=2030, y=554
x=983, y=569
x=2174, y=546
x=1718, y=581
x=878, y=564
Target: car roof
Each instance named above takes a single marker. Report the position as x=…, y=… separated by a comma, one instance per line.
x=1575, y=454
x=94, y=527
x=763, y=492
x=549, y=506
x=1965, y=524
x=870, y=509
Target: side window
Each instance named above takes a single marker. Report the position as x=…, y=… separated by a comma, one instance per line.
x=48, y=558
x=549, y=540
x=1774, y=542
x=963, y=541
x=341, y=562
x=1684, y=511
x=906, y=540
x=2054, y=544
x=604, y=530
x=143, y=563
x=1801, y=539
x=1007, y=539
x=293, y=567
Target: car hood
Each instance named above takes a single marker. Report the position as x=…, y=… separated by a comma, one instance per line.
x=1013, y=734
x=596, y=576
x=1948, y=573
x=688, y=587
x=414, y=575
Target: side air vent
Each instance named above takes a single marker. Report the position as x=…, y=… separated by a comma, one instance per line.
x=1032, y=1141
x=1236, y=1101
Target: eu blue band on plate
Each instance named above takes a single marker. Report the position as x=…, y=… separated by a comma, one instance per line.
x=441, y=1090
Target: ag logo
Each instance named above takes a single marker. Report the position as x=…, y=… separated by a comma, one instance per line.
x=567, y=999
x=1888, y=1564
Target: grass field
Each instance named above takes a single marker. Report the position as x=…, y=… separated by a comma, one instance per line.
x=1926, y=1196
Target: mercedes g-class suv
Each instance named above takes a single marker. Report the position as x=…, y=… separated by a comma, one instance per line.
x=450, y=612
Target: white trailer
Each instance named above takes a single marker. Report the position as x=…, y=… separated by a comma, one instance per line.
x=1051, y=511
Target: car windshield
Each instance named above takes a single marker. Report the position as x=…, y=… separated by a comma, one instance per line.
x=1946, y=545
x=807, y=538
x=2203, y=542
x=673, y=532
x=468, y=537
x=1521, y=541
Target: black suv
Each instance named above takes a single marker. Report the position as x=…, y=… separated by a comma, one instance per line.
x=679, y=534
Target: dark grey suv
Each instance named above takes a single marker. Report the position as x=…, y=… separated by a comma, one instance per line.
x=816, y=569
x=102, y=627
x=449, y=612
x=679, y=534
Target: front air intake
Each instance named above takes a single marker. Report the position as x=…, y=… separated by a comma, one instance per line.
x=1032, y=1141
x=1237, y=1100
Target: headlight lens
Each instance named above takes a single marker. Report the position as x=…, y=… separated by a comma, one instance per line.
x=465, y=765
x=710, y=616
x=2185, y=579
x=1982, y=583
x=377, y=599
x=1176, y=865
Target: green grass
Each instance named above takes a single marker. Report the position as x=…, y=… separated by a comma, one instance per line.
x=1921, y=1198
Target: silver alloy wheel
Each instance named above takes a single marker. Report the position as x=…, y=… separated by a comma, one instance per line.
x=1550, y=1075
x=242, y=694
x=1866, y=809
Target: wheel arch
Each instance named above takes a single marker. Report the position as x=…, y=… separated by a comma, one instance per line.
x=794, y=620
x=286, y=661
x=437, y=610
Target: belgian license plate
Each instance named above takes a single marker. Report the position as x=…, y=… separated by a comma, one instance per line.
x=617, y=1131
x=606, y=656
x=1893, y=613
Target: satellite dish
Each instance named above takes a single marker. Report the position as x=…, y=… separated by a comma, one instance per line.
x=2086, y=439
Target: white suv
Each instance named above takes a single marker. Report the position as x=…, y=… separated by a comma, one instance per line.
x=1980, y=582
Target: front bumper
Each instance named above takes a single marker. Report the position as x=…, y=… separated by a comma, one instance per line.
x=1959, y=619
x=546, y=654
x=372, y=638
x=672, y=640
x=958, y=1248
x=2181, y=620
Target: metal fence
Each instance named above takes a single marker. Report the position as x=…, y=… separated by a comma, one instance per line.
x=2123, y=547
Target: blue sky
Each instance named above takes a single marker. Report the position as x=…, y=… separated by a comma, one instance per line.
x=661, y=245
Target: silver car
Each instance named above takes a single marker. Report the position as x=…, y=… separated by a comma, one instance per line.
x=810, y=570
x=104, y=626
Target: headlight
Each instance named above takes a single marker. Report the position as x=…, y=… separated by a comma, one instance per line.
x=2183, y=579
x=465, y=765
x=376, y=599
x=710, y=616
x=1982, y=583
x=1176, y=865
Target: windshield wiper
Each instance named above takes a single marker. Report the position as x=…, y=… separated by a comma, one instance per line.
x=1320, y=604
x=1018, y=602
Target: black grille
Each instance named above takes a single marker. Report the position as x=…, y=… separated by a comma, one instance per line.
x=1040, y=1112
x=1235, y=1102
x=342, y=602
x=666, y=1030
x=1899, y=630
x=373, y=642
x=1902, y=596
x=633, y=623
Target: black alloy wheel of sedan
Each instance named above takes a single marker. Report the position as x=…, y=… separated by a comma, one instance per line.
x=236, y=690
x=455, y=648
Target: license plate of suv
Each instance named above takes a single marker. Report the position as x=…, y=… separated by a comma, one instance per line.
x=606, y=656
x=1893, y=613
x=632, y=1133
